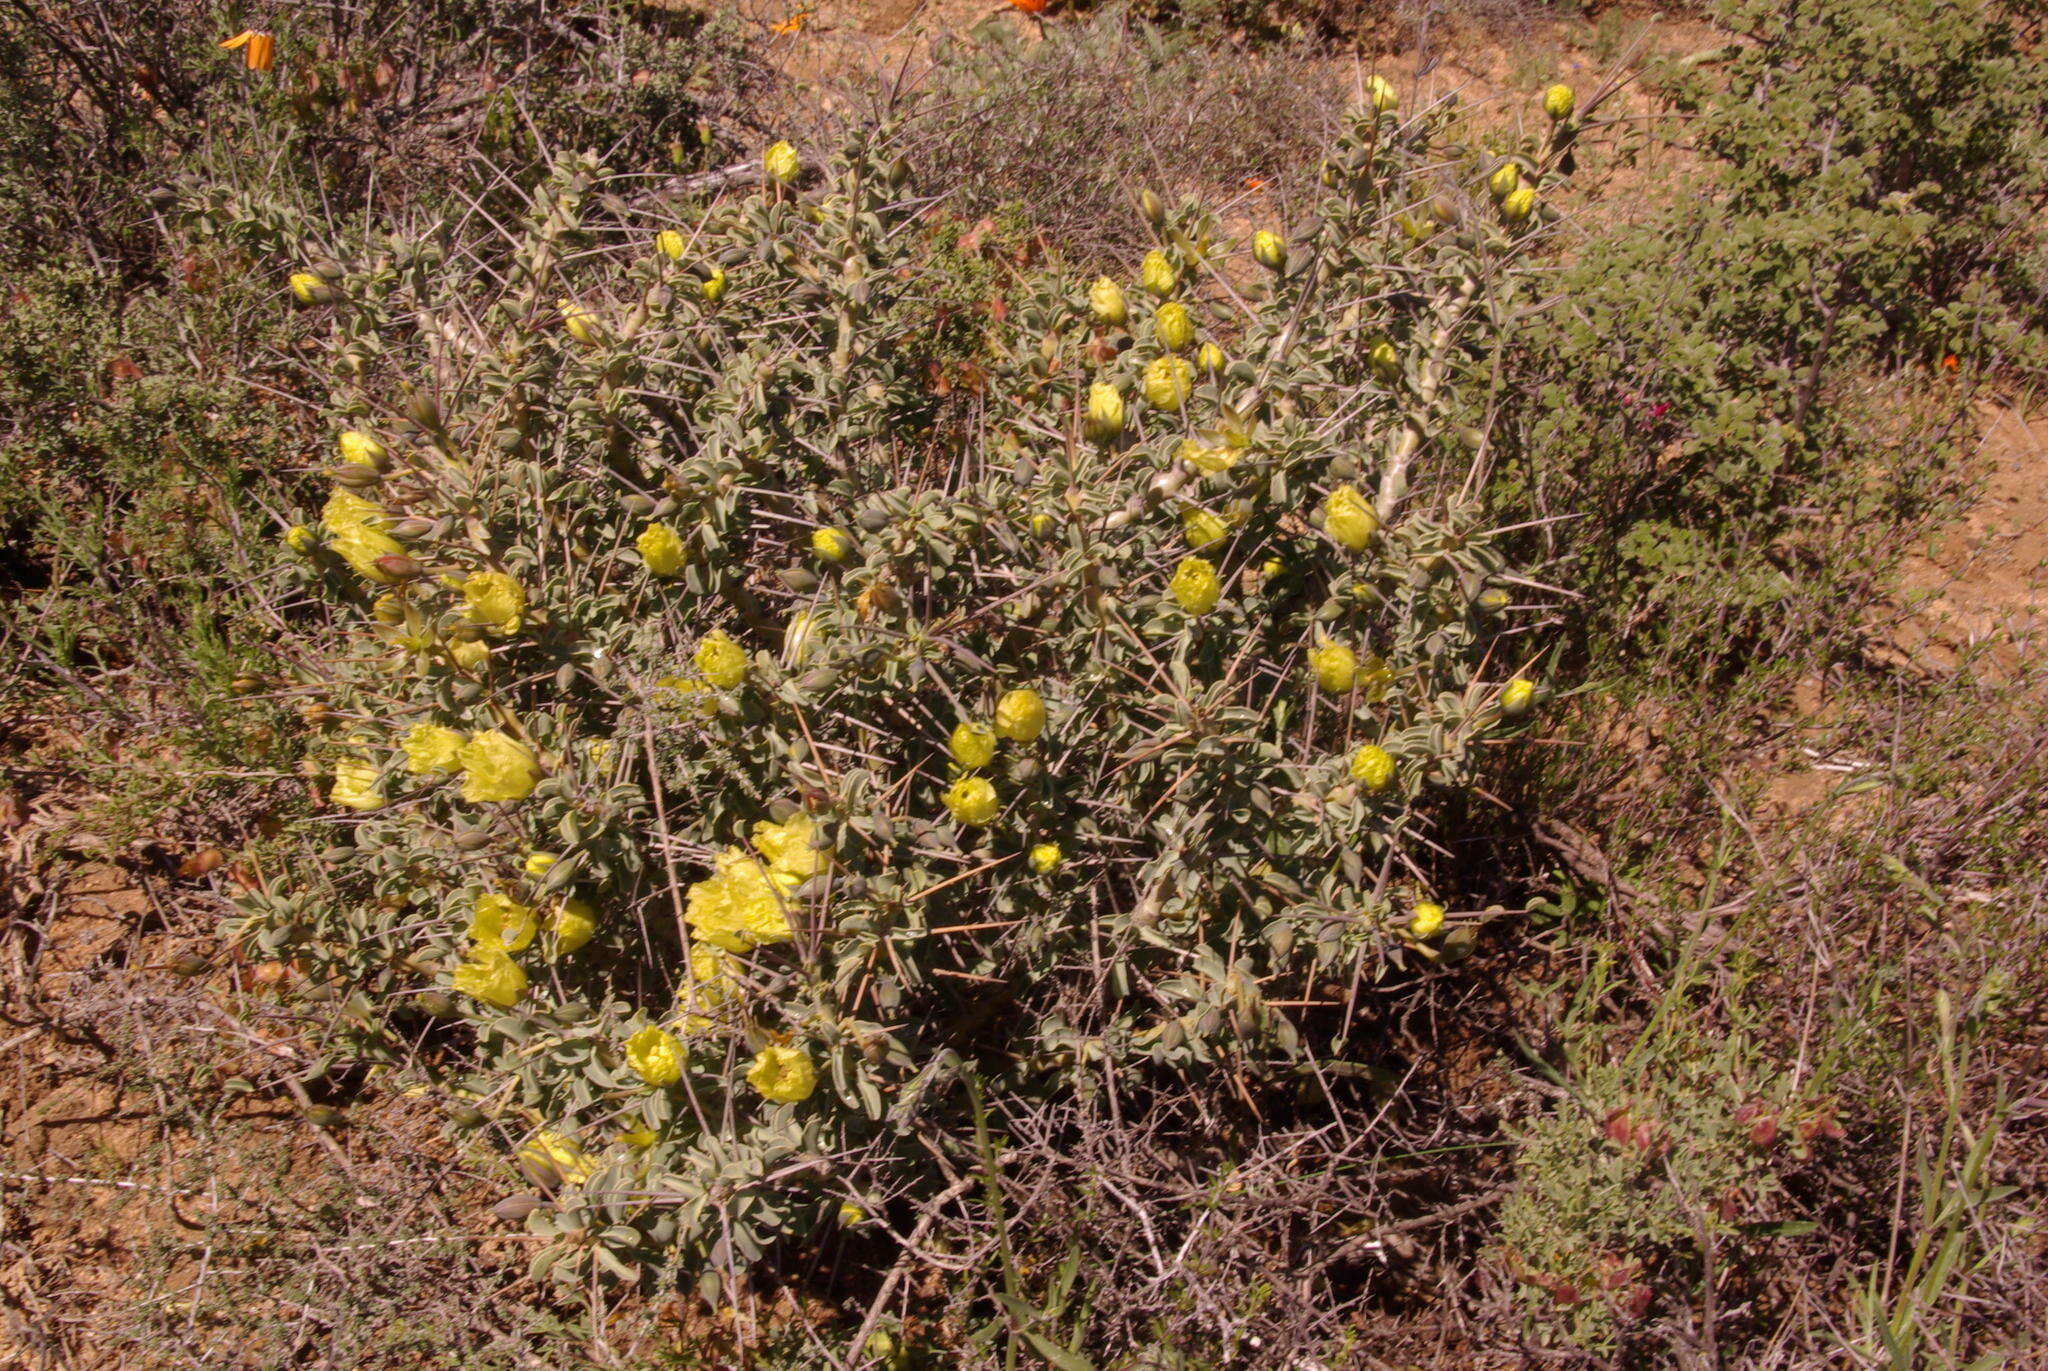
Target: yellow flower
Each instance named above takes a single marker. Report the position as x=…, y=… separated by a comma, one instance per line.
x=1506, y=177
x=497, y=766
x=1106, y=303
x=972, y=745
x=469, y=654
x=300, y=539
x=791, y=846
x=502, y=922
x=1202, y=529
x=1045, y=858
x=430, y=747
x=1372, y=766
x=742, y=904
x=1426, y=919
x=713, y=289
x=1349, y=519
x=721, y=660
x=579, y=320
x=1159, y=275
x=1195, y=586
x=1174, y=326
x=557, y=1158
x=781, y=164
x=832, y=544
x=1168, y=382
x=1381, y=93
x=1336, y=667
x=310, y=289
x=661, y=548
x=1210, y=461
x=495, y=600
x=1209, y=359
x=656, y=1056
x=1269, y=250
x=357, y=446
x=489, y=974
x=538, y=863
x=355, y=785
x=783, y=1074
x=1519, y=204
x=851, y=1214
x=1105, y=421
x=639, y=1139
x=670, y=244
x=1559, y=102
x=360, y=546
x=1517, y=697
x=708, y=987
x=1020, y=715
x=345, y=510
x=573, y=923
x=972, y=800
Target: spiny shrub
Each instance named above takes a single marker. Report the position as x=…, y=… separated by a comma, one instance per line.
x=761, y=757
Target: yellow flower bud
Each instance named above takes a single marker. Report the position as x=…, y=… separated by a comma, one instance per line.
x=831, y=544
x=1106, y=303
x=1202, y=528
x=655, y=1056
x=972, y=800
x=357, y=446
x=1516, y=699
x=1168, y=383
x=1372, y=766
x=721, y=660
x=1520, y=203
x=1210, y=359
x=553, y=1156
x=573, y=924
x=300, y=539
x=388, y=609
x=1174, y=326
x=495, y=600
x=781, y=164
x=360, y=546
x=1504, y=180
x=1159, y=274
x=355, y=785
x=430, y=747
x=851, y=1214
x=661, y=549
x=670, y=244
x=579, y=320
x=1020, y=715
x=713, y=289
x=1426, y=919
x=310, y=289
x=783, y=1074
x=1045, y=858
x=1381, y=94
x=796, y=638
x=1105, y=421
x=1349, y=518
x=972, y=745
x=1269, y=250
x=1042, y=525
x=1493, y=600
x=1559, y=102
x=1335, y=666
x=1386, y=362
x=1195, y=587
x=497, y=767
x=469, y=655
x=538, y=863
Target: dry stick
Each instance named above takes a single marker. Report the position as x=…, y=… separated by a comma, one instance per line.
x=896, y=1272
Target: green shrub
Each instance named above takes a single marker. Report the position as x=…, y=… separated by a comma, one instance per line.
x=765, y=752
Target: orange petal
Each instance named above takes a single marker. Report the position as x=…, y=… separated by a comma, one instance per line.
x=239, y=40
